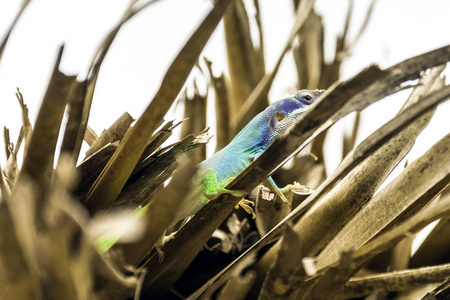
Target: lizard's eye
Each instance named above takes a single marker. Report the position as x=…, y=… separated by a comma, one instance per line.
x=304, y=97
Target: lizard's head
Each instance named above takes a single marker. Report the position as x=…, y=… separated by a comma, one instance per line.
x=274, y=121
x=284, y=112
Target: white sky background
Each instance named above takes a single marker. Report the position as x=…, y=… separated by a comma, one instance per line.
x=144, y=48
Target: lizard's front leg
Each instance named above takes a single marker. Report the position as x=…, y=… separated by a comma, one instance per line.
x=296, y=188
x=213, y=188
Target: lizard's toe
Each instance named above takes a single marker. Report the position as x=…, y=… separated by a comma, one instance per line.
x=244, y=203
x=160, y=254
x=283, y=197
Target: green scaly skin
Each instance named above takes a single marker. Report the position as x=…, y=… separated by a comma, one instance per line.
x=220, y=169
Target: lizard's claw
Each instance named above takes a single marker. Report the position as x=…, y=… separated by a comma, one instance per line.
x=298, y=189
x=244, y=203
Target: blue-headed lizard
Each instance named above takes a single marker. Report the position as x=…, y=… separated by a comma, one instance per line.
x=214, y=173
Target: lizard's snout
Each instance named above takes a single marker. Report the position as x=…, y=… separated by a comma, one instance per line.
x=317, y=93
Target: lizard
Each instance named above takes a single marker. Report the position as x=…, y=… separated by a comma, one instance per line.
x=215, y=172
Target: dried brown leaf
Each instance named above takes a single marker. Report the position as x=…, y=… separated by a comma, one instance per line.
x=388, y=239
x=286, y=271
x=243, y=65
x=17, y=282
x=329, y=285
x=142, y=186
x=395, y=281
x=73, y=135
x=195, y=120
x=90, y=136
x=223, y=130
x=26, y=129
x=114, y=133
x=397, y=196
x=259, y=93
x=435, y=247
x=160, y=215
x=91, y=167
x=38, y=163
x=237, y=287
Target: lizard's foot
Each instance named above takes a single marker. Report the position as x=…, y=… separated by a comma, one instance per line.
x=160, y=254
x=280, y=192
x=169, y=237
x=237, y=193
x=244, y=203
x=298, y=189
x=162, y=241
